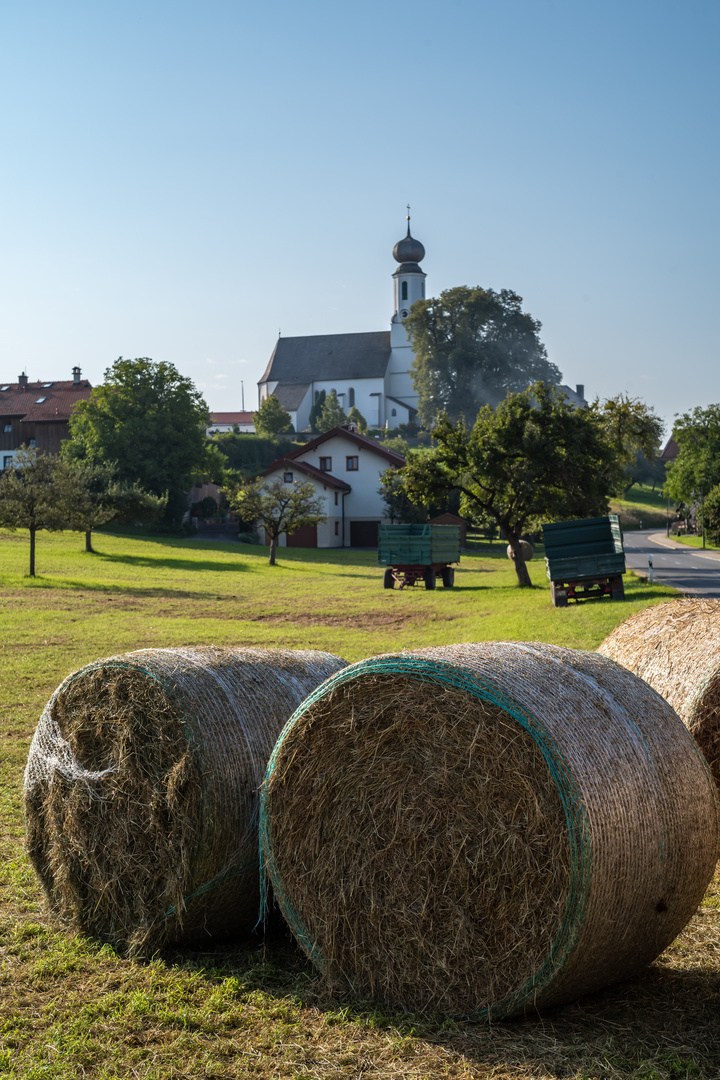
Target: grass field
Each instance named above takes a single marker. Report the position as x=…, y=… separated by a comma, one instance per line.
x=73, y=1008
x=642, y=508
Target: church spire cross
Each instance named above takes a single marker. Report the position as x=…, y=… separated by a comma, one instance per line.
x=408, y=217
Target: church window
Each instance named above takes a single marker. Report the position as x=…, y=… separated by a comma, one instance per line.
x=403, y=295
x=351, y=397
x=288, y=477
x=351, y=464
x=325, y=464
x=337, y=528
x=394, y=412
x=32, y=443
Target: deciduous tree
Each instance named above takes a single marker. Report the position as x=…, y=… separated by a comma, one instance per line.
x=150, y=421
x=33, y=495
x=697, y=466
x=633, y=429
x=277, y=506
x=95, y=497
x=471, y=346
x=534, y=457
x=271, y=419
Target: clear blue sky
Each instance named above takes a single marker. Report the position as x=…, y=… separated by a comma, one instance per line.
x=181, y=180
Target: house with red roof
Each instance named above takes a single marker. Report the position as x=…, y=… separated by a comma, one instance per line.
x=37, y=414
x=345, y=469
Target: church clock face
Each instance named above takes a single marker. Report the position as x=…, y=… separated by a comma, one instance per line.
x=404, y=313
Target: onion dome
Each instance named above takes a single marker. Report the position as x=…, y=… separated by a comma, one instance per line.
x=408, y=250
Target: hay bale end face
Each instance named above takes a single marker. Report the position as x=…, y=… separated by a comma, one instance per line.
x=675, y=648
x=141, y=789
x=483, y=829
x=527, y=550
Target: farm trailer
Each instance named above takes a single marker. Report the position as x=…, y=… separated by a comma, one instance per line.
x=415, y=553
x=585, y=560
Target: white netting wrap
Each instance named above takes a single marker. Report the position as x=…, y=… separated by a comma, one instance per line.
x=141, y=788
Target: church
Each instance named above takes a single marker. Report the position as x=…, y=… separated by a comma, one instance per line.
x=369, y=371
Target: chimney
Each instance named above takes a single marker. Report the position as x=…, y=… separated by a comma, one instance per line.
x=76, y=376
x=580, y=390
x=22, y=382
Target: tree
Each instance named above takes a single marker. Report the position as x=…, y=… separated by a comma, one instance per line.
x=95, y=497
x=271, y=419
x=533, y=457
x=357, y=418
x=472, y=346
x=151, y=421
x=278, y=506
x=697, y=466
x=33, y=495
x=634, y=430
x=332, y=413
x=711, y=514
x=316, y=410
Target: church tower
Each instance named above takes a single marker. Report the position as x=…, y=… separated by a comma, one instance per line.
x=408, y=287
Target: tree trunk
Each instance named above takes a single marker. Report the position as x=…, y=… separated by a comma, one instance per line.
x=273, y=546
x=88, y=540
x=519, y=559
x=32, y=551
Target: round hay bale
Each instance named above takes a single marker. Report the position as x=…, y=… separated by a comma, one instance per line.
x=675, y=648
x=482, y=829
x=141, y=789
x=527, y=549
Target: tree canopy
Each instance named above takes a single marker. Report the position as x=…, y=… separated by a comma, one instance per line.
x=634, y=431
x=271, y=419
x=95, y=497
x=697, y=466
x=150, y=421
x=277, y=506
x=332, y=413
x=533, y=458
x=472, y=345
x=33, y=495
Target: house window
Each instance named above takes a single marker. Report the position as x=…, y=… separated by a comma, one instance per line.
x=325, y=464
x=351, y=464
x=351, y=397
x=336, y=498
x=288, y=477
x=403, y=295
x=7, y=461
x=32, y=443
x=337, y=528
x=7, y=427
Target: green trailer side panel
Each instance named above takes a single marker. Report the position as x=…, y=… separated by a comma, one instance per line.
x=418, y=545
x=583, y=549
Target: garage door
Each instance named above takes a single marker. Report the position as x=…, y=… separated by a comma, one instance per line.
x=305, y=536
x=364, y=533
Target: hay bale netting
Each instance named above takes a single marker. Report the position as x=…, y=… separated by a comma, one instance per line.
x=481, y=829
x=141, y=789
x=675, y=648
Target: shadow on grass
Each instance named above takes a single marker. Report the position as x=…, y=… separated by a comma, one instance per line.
x=169, y=563
x=663, y=1020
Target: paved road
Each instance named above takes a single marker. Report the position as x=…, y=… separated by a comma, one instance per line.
x=674, y=564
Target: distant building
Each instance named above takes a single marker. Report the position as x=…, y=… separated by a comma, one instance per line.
x=345, y=469
x=228, y=421
x=670, y=452
x=37, y=414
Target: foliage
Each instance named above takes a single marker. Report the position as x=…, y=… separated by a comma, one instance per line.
x=150, y=421
x=634, y=430
x=332, y=413
x=357, y=418
x=471, y=347
x=400, y=507
x=534, y=457
x=271, y=419
x=712, y=516
x=34, y=494
x=697, y=466
x=316, y=410
x=248, y=454
x=277, y=506
x=95, y=497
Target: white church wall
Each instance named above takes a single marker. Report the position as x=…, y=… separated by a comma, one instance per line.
x=369, y=394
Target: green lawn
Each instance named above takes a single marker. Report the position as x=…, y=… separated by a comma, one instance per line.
x=70, y=1008
x=696, y=542
x=641, y=508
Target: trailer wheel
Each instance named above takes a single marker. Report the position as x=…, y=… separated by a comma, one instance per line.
x=429, y=577
x=617, y=589
x=559, y=595
x=448, y=576
x=389, y=580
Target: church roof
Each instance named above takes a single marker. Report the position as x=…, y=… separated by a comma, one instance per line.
x=329, y=356
x=290, y=395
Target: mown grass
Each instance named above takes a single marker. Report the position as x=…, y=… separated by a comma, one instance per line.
x=72, y=1008
x=696, y=542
